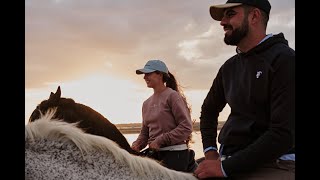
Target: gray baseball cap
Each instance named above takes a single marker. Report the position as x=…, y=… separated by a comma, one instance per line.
x=153, y=65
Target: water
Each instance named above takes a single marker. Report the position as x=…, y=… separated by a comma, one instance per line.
x=196, y=145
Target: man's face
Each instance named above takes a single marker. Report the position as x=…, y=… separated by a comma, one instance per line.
x=236, y=25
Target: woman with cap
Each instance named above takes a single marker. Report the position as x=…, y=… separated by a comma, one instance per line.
x=166, y=125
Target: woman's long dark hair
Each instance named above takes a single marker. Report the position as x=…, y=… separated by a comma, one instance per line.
x=172, y=83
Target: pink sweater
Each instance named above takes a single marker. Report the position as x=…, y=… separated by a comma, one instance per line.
x=166, y=120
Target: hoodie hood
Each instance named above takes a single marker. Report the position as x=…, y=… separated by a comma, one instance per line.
x=275, y=39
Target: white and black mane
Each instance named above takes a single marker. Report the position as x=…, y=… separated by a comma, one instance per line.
x=55, y=149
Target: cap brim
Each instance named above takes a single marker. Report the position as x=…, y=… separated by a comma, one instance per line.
x=217, y=11
x=143, y=71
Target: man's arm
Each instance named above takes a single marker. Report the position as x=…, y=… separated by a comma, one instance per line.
x=213, y=104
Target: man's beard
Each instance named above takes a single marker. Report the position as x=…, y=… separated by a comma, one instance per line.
x=237, y=34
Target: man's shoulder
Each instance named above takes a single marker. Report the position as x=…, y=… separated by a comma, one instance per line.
x=278, y=53
x=279, y=45
x=281, y=53
x=283, y=49
x=231, y=60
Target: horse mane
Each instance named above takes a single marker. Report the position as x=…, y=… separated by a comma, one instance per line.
x=87, y=119
x=57, y=129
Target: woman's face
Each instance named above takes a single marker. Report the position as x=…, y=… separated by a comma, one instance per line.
x=153, y=79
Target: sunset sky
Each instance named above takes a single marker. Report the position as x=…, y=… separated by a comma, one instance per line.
x=91, y=49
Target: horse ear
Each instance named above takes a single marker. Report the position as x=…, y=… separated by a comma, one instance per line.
x=55, y=96
x=58, y=92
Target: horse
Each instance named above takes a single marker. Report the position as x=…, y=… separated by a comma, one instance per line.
x=55, y=149
x=87, y=119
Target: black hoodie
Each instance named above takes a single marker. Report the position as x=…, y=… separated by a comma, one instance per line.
x=259, y=87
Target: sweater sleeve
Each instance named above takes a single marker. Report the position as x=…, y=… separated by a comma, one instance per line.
x=279, y=138
x=142, y=139
x=183, y=120
x=143, y=136
x=212, y=105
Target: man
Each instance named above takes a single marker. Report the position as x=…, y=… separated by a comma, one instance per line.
x=258, y=83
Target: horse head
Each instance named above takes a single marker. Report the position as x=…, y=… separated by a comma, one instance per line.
x=89, y=120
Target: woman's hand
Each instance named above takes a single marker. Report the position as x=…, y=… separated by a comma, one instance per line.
x=135, y=148
x=154, y=146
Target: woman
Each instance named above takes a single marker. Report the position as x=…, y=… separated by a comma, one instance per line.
x=166, y=126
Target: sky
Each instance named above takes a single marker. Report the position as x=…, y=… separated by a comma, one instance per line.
x=91, y=49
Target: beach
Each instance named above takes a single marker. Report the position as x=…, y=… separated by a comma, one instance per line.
x=133, y=128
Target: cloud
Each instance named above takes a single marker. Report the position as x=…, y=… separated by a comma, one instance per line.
x=67, y=39
x=92, y=49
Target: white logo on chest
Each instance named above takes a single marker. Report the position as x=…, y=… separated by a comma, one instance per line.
x=258, y=74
